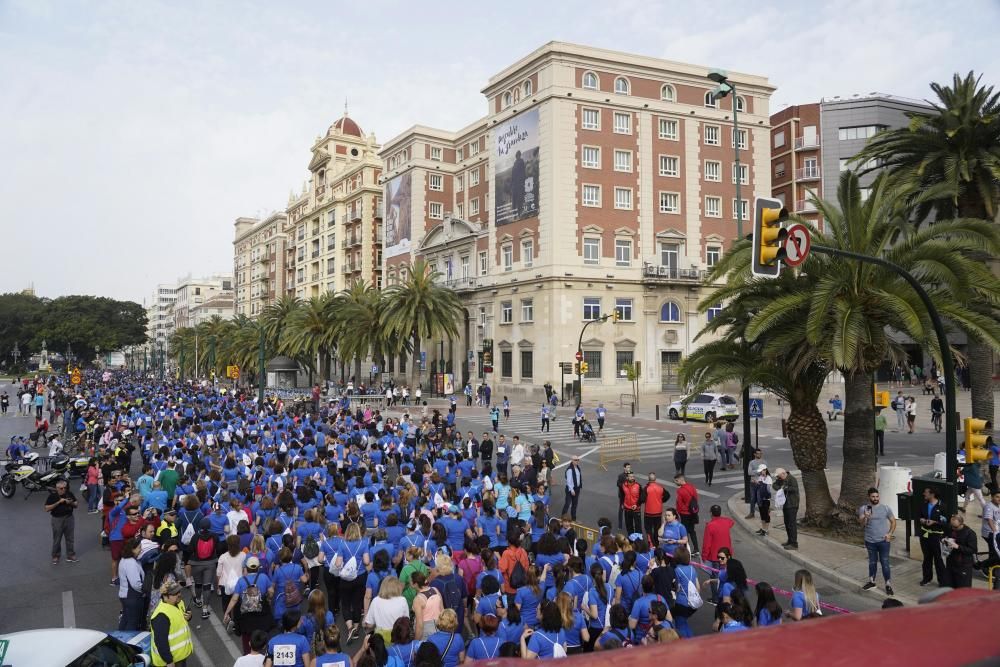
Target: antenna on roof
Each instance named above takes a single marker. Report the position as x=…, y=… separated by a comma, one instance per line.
x=345, y=106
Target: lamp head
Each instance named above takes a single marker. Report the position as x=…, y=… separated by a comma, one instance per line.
x=718, y=75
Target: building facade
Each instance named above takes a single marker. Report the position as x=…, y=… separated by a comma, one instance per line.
x=797, y=159
x=221, y=305
x=259, y=262
x=160, y=318
x=597, y=181
x=193, y=292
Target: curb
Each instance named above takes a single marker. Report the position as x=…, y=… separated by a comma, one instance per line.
x=737, y=512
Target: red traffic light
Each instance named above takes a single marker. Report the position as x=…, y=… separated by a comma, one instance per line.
x=579, y=355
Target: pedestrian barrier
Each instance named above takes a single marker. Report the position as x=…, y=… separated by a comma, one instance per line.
x=619, y=448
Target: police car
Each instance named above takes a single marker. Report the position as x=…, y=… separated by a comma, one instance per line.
x=705, y=407
x=56, y=647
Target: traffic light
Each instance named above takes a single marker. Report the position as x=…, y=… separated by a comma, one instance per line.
x=615, y=316
x=768, y=235
x=583, y=367
x=975, y=440
x=576, y=369
x=487, y=358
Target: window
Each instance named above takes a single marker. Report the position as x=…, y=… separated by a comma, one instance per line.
x=744, y=209
x=668, y=129
x=331, y=241
x=710, y=100
x=437, y=210
x=591, y=308
x=507, y=100
x=591, y=195
x=623, y=308
x=436, y=153
x=845, y=163
x=526, y=364
x=667, y=93
x=741, y=104
x=474, y=177
x=436, y=182
x=713, y=254
x=621, y=86
x=744, y=173
x=591, y=119
x=527, y=88
x=779, y=169
x=474, y=148
x=527, y=252
x=862, y=132
x=623, y=252
x=623, y=199
x=527, y=310
x=714, y=311
x=459, y=154
x=669, y=165
x=623, y=123
x=623, y=358
x=590, y=81
x=465, y=266
x=713, y=170
x=474, y=206
x=670, y=312
x=460, y=209
x=591, y=251
x=670, y=255
x=711, y=135
x=506, y=363
x=591, y=157
x=484, y=262
x=865, y=193
x=713, y=207
x=593, y=359
x=459, y=183
x=623, y=160
x=506, y=313
x=507, y=253
x=779, y=139
x=670, y=202
x=742, y=134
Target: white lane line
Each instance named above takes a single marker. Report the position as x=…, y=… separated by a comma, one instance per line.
x=200, y=652
x=570, y=457
x=69, y=612
x=220, y=629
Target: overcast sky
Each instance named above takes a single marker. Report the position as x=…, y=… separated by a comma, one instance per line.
x=133, y=133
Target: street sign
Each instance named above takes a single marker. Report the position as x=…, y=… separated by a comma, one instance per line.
x=757, y=408
x=423, y=359
x=796, y=245
x=579, y=355
x=487, y=369
x=75, y=376
x=566, y=366
x=4, y=643
x=233, y=372
x=374, y=370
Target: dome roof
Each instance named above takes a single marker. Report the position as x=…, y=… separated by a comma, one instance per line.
x=347, y=126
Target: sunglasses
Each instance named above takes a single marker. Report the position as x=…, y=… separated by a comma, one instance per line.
x=133, y=514
x=722, y=558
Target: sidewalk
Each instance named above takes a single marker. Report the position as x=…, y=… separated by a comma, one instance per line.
x=847, y=564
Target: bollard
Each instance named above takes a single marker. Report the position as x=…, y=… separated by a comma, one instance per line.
x=657, y=412
x=633, y=409
x=784, y=428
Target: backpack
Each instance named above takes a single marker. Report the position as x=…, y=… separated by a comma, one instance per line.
x=205, y=548
x=518, y=575
x=693, y=507
x=311, y=548
x=736, y=438
x=693, y=596
x=626, y=642
x=615, y=570
x=187, y=535
x=293, y=594
x=452, y=594
x=251, y=600
x=349, y=570
x=471, y=567
x=558, y=650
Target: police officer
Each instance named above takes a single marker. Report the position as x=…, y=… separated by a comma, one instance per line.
x=931, y=525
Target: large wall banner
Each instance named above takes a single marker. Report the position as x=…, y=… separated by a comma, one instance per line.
x=516, y=184
x=398, y=227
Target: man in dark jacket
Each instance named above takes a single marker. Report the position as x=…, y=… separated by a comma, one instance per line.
x=930, y=528
x=961, y=540
x=790, y=510
x=626, y=471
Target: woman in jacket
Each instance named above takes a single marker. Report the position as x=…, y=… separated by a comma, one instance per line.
x=680, y=453
x=709, y=456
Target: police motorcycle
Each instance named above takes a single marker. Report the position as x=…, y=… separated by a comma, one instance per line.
x=22, y=471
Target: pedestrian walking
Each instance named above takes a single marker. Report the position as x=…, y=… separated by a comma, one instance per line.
x=931, y=528
x=709, y=456
x=574, y=485
x=60, y=505
x=655, y=496
x=545, y=419
x=468, y=394
x=506, y=409
x=170, y=634
x=39, y=401
x=881, y=423
x=680, y=454
x=130, y=588
x=911, y=413
x=602, y=414
x=4, y=403
x=993, y=461
x=898, y=404
x=687, y=508
x=787, y=498
x=495, y=418
x=989, y=531
x=880, y=525
x=25, y=403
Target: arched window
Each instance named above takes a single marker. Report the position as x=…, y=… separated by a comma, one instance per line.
x=590, y=81
x=621, y=85
x=517, y=95
x=667, y=93
x=670, y=312
x=527, y=88
x=710, y=100
x=507, y=100
x=741, y=104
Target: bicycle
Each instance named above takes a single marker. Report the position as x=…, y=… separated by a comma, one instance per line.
x=936, y=420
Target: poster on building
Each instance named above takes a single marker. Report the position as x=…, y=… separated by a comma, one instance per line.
x=516, y=180
x=398, y=227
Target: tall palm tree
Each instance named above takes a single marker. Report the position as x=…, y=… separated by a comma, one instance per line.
x=953, y=152
x=780, y=362
x=851, y=307
x=423, y=309
x=182, y=348
x=275, y=317
x=310, y=330
x=242, y=346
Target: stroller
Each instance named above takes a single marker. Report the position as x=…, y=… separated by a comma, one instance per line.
x=587, y=432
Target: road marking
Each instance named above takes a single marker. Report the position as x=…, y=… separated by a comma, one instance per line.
x=200, y=651
x=570, y=457
x=69, y=613
x=220, y=629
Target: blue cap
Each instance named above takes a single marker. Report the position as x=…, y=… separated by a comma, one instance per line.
x=635, y=537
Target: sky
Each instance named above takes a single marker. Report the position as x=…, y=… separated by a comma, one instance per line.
x=133, y=133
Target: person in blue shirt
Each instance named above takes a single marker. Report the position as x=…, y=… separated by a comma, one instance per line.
x=490, y=601
x=511, y=625
x=602, y=414
x=487, y=645
x=332, y=657
x=768, y=611
x=836, y=408
x=805, y=599
x=574, y=624
x=448, y=639
x=289, y=648
x=628, y=586
x=732, y=618
x=617, y=630
x=673, y=534
x=541, y=643
x=640, y=618
x=687, y=584
x=529, y=597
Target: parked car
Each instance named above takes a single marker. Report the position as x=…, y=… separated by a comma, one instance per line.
x=76, y=647
x=705, y=407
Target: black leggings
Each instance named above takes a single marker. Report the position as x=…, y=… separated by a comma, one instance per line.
x=332, y=591
x=352, y=599
x=709, y=470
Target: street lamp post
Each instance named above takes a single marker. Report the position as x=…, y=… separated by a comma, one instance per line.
x=16, y=353
x=261, y=371
x=579, y=353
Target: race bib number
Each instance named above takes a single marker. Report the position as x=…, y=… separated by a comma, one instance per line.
x=284, y=655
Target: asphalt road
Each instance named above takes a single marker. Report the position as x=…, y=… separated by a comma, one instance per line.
x=36, y=594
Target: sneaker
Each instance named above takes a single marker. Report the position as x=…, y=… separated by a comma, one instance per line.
x=204, y=613
x=115, y=582
x=924, y=582
x=55, y=561
x=72, y=559
x=197, y=601
x=791, y=547
x=748, y=516
x=889, y=591
x=867, y=587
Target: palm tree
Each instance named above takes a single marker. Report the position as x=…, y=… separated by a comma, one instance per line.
x=851, y=307
x=182, y=348
x=310, y=330
x=242, y=346
x=954, y=153
x=275, y=317
x=210, y=334
x=423, y=309
x=780, y=362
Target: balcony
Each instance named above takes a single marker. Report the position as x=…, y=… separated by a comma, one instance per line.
x=379, y=210
x=331, y=246
x=315, y=253
x=355, y=214
x=265, y=259
x=345, y=243
x=356, y=241
x=320, y=191
x=331, y=269
x=460, y=284
x=807, y=174
x=300, y=280
x=314, y=276
x=805, y=143
x=652, y=272
x=805, y=206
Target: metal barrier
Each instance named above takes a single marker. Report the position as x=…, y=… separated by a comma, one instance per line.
x=622, y=397
x=619, y=448
x=989, y=576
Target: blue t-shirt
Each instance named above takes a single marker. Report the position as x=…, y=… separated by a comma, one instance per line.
x=573, y=634
x=799, y=602
x=288, y=649
x=541, y=560
x=672, y=531
x=483, y=648
x=528, y=601
x=618, y=634
x=543, y=643
x=333, y=660
x=260, y=580
x=449, y=654
x=733, y=626
x=510, y=632
x=640, y=608
x=685, y=574
x=487, y=604
x=630, y=584
x=764, y=618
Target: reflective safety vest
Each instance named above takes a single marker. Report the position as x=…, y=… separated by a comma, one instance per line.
x=179, y=638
